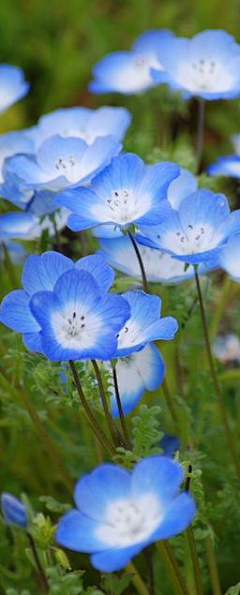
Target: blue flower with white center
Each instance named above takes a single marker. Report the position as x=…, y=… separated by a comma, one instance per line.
x=84, y=123
x=225, y=166
x=13, y=511
x=119, y=513
x=227, y=349
x=206, y=66
x=40, y=274
x=12, y=85
x=160, y=266
x=144, y=324
x=129, y=72
x=137, y=373
x=197, y=231
x=77, y=320
x=229, y=257
x=126, y=192
x=58, y=163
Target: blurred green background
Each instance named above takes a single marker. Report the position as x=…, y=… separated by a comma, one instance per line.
x=57, y=43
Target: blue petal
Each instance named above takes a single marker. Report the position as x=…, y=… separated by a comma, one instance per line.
x=94, y=491
x=16, y=225
x=181, y=187
x=96, y=265
x=226, y=166
x=115, y=559
x=41, y=272
x=77, y=532
x=157, y=474
x=229, y=257
x=12, y=84
x=15, y=313
x=178, y=516
x=112, y=121
x=13, y=510
x=152, y=41
x=120, y=72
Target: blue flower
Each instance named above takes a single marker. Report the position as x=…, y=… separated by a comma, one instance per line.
x=84, y=123
x=197, y=231
x=12, y=85
x=12, y=143
x=170, y=444
x=119, y=513
x=144, y=324
x=58, y=163
x=13, y=511
x=206, y=66
x=137, y=373
x=129, y=72
x=40, y=274
x=26, y=226
x=126, y=192
x=229, y=257
x=160, y=266
x=77, y=320
x=226, y=166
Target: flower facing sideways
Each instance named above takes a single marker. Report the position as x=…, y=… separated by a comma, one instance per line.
x=120, y=513
x=13, y=511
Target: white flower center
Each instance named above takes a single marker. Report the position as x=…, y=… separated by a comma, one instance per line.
x=68, y=167
x=129, y=335
x=130, y=521
x=193, y=239
x=205, y=75
x=75, y=327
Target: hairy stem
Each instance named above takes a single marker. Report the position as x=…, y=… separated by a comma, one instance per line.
x=120, y=409
x=140, y=262
x=195, y=561
x=136, y=579
x=171, y=565
x=116, y=437
x=38, y=563
x=216, y=586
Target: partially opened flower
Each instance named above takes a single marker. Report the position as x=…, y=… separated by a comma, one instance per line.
x=128, y=72
x=137, y=373
x=126, y=192
x=197, y=231
x=226, y=166
x=119, y=513
x=12, y=85
x=84, y=123
x=40, y=274
x=206, y=66
x=13, y=511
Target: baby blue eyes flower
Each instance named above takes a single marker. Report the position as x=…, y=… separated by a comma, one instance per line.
x=13, y=511
x=197, y=231
x=40, y=274
x=206, y=66
x=126, y=192
x=12, y=85
x=144, y=324
x=26, y=226
x=129, y=72
x=229, y=257
x=137, y=373
x=119, y=513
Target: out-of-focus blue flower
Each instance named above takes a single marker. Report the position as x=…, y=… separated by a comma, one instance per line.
x=160, y=267
x=170, y=444
x=13, y=511
x=120, y=513
x=227, y=349
x=129, y=72
x=137, y=373
x=126, y=192
x=16, y=252
x=144, y=324
x=197, y=231
x=206, y=66
x=45, y=277
x=229, y=257
x=26, y=226
x=12, y=85
x=226, y=166
x=58, y=163
x=84, y=123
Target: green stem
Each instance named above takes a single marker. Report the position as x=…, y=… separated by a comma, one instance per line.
x=9, y=267
x=45, y=438
x=140, y=262
x=170, y=403
x=93, y=423
x=220, y=306
x=38, y=563
x=172, y=568
x=136, y=579
x=200, y=134
x=216, y=385
x=116, y=438
x=120, y=409
x=216, y=586
x=195, y=561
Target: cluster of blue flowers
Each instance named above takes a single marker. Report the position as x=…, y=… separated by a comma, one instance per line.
x=70, y=167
